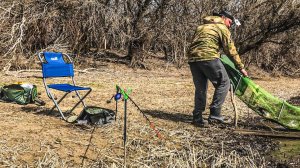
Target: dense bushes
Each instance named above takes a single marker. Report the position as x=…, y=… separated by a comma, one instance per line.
x=269, y=36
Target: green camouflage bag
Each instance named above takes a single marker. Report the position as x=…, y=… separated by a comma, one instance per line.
x=19, y=93
x=94, y=115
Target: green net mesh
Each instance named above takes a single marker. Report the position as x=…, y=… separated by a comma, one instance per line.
x=260, y=100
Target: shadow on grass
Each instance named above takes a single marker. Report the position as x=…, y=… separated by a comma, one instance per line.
x=175, y=117
x=259, y=123
x=40, y=110
x=294, y=101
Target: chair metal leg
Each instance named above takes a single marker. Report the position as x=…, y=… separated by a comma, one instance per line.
x=81, y=100
x=59, y=100
x=56, y=105
x=78, y=95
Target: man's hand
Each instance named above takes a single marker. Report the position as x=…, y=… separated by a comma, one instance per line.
x=244, y=72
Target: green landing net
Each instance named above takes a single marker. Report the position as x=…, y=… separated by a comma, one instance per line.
x=259, y=100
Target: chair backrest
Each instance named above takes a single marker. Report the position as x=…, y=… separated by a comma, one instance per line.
x=55, y=66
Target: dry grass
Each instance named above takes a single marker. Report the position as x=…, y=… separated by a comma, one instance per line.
x=32, y=138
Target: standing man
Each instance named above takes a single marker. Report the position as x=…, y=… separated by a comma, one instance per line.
x=204, y=60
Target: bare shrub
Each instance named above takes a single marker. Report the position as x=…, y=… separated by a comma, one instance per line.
x=268, y=37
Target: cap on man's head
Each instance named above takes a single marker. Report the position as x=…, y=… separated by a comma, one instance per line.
x=225, y=14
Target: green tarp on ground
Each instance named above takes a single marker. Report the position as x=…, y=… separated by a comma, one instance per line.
x=259, y=100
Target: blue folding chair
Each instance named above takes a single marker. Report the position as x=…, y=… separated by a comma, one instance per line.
x=56, y=65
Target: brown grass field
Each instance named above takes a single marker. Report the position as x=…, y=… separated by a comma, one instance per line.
x=33, y=137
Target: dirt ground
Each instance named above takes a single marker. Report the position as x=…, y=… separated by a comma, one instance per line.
x=31, y=136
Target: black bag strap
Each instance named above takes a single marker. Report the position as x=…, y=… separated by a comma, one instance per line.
x=39, y=102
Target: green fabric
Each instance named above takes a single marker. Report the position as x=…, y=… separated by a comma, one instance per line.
x=259, y=100
x=95, y=115
x=17, y=93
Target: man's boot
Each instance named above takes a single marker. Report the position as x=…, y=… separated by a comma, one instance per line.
x=198, y=121
x=216, y=117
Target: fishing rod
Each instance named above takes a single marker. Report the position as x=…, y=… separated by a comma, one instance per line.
x=122, y=93
x=125, y=94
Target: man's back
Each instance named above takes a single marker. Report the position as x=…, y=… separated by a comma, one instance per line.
x=208, y=39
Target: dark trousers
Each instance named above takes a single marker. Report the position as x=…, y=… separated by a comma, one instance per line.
x=215, y=72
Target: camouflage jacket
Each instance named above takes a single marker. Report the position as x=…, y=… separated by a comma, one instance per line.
x=208, y=39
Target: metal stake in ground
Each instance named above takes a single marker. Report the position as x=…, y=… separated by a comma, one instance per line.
x=117, y=97
x=125, y=130
x=120, y=92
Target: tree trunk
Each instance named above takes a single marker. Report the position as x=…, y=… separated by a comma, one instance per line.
x=136, y=53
